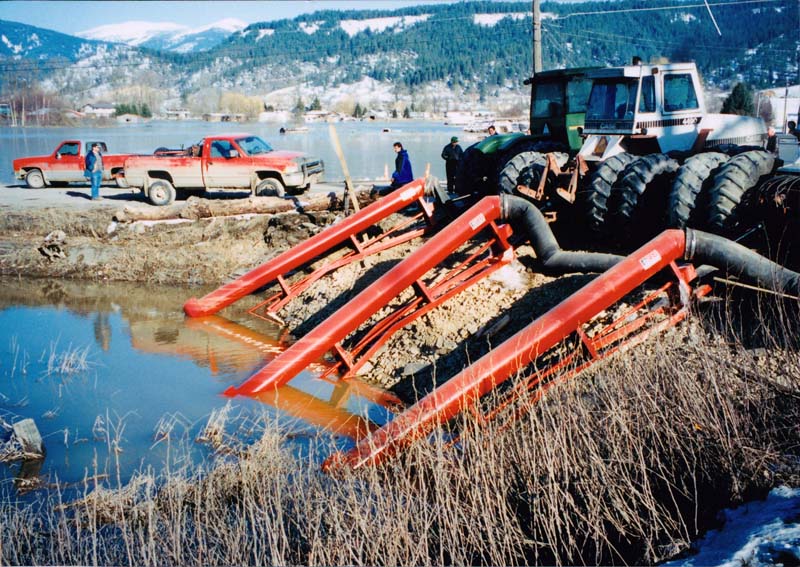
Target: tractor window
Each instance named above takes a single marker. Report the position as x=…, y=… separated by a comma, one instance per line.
x=612, y=100
x=548, y=100
x=221, y=148
x=578, y=94
x=647, y=100
x=679, y=93
x=69, y=149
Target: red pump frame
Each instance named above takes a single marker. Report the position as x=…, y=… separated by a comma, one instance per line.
x=328, y=336
x=465, y=390
x=347, y=230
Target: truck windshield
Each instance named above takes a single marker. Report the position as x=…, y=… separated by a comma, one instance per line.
x=613, y=99
x=253, y=145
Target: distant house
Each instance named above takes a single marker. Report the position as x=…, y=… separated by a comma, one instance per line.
x=317, y=116
x=177, y=114
x=99, y=109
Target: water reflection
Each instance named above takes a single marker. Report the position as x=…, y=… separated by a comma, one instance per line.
x=116, y=379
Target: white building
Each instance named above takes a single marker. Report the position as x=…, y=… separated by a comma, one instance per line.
x=99, y=109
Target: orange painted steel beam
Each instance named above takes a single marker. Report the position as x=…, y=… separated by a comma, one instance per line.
x=375, y=297
x=307, y=251
x=465, y=389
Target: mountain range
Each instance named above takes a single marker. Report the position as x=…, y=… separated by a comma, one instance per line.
x=436, y=57
x=166, y=36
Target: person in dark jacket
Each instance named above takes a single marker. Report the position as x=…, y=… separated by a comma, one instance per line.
x=452, y=154
x=402, y=167
x=94, y=170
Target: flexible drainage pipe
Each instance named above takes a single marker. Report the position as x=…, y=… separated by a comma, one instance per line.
x=701, y=248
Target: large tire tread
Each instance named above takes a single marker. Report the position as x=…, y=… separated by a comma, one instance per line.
x=740, y=174
x=594, y=197
x=691, y=179
x=627, y=193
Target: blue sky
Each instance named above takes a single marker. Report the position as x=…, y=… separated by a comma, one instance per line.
x=75, y=16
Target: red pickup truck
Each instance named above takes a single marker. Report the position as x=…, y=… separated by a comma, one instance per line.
x=230, y=161
x=66, y=164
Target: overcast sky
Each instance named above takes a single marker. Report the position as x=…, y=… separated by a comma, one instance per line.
x=76, y=16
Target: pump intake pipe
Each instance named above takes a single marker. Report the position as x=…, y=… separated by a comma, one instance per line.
x=467, y=387
x=305, y=251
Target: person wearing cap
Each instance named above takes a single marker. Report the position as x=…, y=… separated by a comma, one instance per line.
x=94, y=170
x=452, y=154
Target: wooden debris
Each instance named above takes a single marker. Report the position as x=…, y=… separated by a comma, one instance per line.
x=29, y=438
x=196, y=208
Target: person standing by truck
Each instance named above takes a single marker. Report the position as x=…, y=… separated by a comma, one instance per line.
x=452, y=154
x=402, y=167
x=94, y=170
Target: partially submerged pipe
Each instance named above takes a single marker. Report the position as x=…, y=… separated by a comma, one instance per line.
x=305, y=251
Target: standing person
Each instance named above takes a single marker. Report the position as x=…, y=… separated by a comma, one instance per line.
x=492, y=130
x=94, y=170
x=452, y=154
x=402, y=167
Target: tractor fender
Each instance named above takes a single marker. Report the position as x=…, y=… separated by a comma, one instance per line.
x=734, y=129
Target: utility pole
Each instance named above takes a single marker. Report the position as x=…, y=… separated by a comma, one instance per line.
x=537, y=38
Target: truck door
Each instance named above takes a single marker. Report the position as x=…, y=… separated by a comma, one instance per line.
x=66, y=163
x=225, y=166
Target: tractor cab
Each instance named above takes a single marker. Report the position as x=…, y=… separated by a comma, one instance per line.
x=659, y=108
x=558, y=104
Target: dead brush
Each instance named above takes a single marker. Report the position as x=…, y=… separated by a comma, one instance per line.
x=623, y=464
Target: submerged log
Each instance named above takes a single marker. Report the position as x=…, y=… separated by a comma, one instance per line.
x=197, y=208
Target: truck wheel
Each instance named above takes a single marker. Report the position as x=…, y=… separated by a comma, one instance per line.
x=270, y=187
x=35, y=179
x=161, y=192
x=593, y=199
x=692, y=177
x=646, y=173
x=731, y=182
x=121, y=182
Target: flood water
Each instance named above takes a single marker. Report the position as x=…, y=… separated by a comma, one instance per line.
x=367, y=147
x=118, y=380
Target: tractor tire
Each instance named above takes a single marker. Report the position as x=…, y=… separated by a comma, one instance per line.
x=531, y=161
x=270, y=187
x=34, y=179
x=740, y=174
x=475, y=173
x=692, y=177
x=641, y=175
x=593, y=199
x=161, y=193
x=776, y=205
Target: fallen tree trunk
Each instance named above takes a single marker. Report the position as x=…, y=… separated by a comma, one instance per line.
x=198, y=208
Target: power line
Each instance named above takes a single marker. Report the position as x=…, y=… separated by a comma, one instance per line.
x=661, y=8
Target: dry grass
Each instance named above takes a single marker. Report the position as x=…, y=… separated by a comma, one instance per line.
x=622, y=465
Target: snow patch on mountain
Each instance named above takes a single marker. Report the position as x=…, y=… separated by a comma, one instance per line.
x=492, y=19
x=685, y=18
x=353, y=27
x=15, y=48
x=311, y=27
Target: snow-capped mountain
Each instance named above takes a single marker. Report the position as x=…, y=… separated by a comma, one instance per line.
x=21, y=41
x=166, y=36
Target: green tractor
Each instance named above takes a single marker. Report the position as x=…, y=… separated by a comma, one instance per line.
x=557, y=111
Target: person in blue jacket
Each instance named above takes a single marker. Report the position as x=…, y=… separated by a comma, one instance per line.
x=94, y=170
x=402, y=167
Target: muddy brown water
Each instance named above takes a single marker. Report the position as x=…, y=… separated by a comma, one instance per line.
x=117, y=379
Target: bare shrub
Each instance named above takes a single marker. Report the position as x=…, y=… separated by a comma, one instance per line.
x=624, y=464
